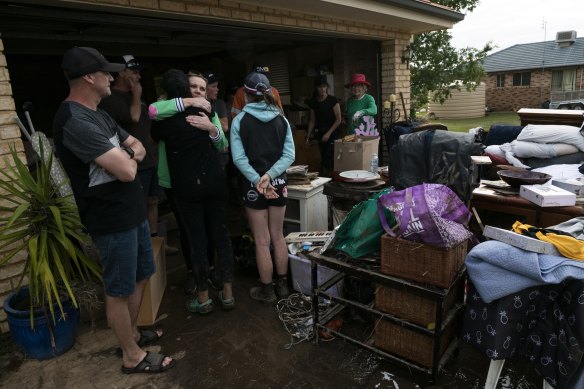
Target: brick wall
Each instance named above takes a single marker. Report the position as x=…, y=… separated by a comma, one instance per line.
x=245, y=12
x=9, y=135
x=394, y=73
x=512, y=98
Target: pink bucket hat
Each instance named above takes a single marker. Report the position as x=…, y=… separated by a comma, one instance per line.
x=357, y=78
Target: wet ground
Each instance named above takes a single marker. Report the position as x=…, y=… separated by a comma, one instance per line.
x=243, y=348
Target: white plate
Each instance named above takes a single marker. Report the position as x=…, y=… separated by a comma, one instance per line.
x=358, y=175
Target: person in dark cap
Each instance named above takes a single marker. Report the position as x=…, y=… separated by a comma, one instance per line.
x=101, y=160
x=240, y=100
x=125, y=106
x=325, y=118
x=217, y=104
x=262, y=149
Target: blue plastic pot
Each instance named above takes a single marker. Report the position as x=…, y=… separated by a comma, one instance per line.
x=38, y=342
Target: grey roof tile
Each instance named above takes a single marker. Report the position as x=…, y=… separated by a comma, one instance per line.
x=532, y=55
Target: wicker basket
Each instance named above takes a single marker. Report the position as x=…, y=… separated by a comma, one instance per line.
x=409, y=344
x=400, y=302
x=420, y=262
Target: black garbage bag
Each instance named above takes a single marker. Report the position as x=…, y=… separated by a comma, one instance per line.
x=430, y=156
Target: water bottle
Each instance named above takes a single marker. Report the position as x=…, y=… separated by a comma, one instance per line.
x=374, y=164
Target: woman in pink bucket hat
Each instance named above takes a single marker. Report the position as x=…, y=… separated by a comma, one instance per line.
x=361, y=107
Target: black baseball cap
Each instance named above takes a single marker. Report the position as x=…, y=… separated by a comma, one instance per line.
x=211, y=77
x=256, y=84
x=80, y=61
x=131, y=62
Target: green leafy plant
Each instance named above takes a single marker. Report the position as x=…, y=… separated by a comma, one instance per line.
x=35, y=218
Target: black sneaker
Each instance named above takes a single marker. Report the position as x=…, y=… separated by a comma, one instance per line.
x=264, y=293
x=282, y=287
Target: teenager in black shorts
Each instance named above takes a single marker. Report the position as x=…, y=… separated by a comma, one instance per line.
x=262, y=149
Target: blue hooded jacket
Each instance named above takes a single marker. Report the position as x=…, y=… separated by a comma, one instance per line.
x=261, y=142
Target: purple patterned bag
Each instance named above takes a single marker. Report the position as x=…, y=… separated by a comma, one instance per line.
x=427, y=213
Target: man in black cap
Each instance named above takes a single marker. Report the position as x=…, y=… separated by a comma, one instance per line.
x=101, y=160
x=125, y=106
x=239, y=100
x=217, y=104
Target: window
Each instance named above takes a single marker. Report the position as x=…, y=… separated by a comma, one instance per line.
x=522, y=79
x=500, y=80
x=564, y=80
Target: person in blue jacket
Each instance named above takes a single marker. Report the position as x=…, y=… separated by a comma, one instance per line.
x=262, y=148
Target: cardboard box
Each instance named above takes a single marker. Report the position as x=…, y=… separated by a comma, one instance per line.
x=355, y=155
x=154, y=289
x=547, y=195
x=302, y=276
x=574, y=185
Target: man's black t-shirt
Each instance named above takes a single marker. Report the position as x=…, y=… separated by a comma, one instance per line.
x=106, y=204
x=117, y=105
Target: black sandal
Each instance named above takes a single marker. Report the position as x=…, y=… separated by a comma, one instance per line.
x=152, y=363
x=147, y=337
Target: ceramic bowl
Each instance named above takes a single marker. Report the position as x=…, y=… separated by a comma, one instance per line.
x=516, y=178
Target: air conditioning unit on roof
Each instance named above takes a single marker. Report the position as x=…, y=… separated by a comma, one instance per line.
x=566, y=37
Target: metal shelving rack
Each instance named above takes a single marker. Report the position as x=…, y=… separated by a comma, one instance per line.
x=443, y=319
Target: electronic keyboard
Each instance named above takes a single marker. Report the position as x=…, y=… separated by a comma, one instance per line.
x=313, y=236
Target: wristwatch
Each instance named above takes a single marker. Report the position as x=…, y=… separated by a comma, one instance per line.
x=129, y=151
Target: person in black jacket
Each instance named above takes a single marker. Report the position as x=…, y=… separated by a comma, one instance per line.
x=198, y=179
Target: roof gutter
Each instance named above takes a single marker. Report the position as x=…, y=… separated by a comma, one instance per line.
x=426, y=7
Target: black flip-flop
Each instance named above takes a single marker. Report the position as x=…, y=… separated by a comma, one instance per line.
x=147, y=337
x=151, y=363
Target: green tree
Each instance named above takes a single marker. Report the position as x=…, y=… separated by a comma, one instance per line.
x=438, y=67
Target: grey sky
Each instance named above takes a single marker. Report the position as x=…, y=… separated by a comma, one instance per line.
x=510, y=22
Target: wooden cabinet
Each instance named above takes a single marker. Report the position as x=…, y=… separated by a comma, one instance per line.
x=550, y=116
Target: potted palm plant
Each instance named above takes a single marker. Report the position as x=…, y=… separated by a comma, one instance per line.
x=35, y=218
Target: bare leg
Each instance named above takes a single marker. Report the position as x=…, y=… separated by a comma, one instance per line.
x=203, y=295
x=227, y=290
x=258, y=220
x=118, y=315
x=134, y=302
x=153, y=215
x=276, y=223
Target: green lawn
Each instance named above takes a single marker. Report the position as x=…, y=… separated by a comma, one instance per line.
x=463, y=125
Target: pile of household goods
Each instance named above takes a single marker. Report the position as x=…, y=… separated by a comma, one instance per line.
x=527, y=298
x=535, y=145
x=422, y=235
x=299, y=175
x=426, y=248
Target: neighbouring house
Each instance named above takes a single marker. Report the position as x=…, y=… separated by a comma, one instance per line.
x=533, y=75
x=295, y=39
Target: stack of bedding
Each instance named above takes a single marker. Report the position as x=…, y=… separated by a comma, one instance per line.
x=535, y=145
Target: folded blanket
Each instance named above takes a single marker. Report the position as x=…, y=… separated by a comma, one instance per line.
x=498, y=269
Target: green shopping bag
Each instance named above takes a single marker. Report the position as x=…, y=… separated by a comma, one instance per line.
x=360, y=233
